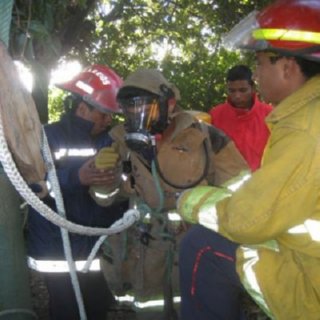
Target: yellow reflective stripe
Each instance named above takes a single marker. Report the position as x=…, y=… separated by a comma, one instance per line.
x=250, y=281
x=209, y=218
x=313, y=228
x=300, y=229
x=57, y=266
x=286, y=35
x=84, y=152
x=236, y=182
x=235, y=185
x=174, y=216
x=310, y=227
x=62, y=152
x=104, y=196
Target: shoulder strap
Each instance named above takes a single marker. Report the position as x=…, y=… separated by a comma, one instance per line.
x=217, y=138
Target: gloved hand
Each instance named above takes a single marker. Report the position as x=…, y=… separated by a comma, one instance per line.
x=198, y=204
x=107, y=158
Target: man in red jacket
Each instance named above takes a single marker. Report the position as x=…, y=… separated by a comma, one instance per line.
x=242, y=116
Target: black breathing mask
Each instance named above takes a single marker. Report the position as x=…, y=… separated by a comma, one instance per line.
x=143, y=120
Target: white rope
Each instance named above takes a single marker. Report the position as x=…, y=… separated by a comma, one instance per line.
x=53, y=179
x=93, y=253
x=129, y=217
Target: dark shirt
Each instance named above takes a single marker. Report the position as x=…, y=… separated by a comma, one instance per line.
x=71, y=135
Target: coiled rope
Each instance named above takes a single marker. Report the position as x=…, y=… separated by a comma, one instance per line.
x=129, y=217
x=9, y=166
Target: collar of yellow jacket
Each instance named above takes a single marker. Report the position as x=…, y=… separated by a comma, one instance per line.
x=309, y=91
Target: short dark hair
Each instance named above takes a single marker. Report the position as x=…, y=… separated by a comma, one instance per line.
x=308, y=67
x=71, y=103
x=240, y=72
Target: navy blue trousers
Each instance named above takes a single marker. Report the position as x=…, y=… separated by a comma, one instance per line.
x=96, y=294
x=210, y=287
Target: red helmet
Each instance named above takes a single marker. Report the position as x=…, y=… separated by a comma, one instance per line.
x=98, y=85
x=286, y=26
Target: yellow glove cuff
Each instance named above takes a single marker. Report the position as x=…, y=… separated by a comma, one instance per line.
x=200, y=199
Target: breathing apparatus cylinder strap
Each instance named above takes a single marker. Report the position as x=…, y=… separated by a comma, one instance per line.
x=207, y=152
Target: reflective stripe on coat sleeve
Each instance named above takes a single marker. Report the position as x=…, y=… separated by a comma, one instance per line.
x=58, y=266
x=249, y=279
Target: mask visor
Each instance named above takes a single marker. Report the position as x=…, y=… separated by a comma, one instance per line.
x=141, y=113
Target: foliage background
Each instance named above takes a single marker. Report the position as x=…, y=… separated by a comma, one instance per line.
x=127, y=34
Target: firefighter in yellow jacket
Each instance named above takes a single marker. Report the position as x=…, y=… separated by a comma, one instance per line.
x=271, y=224
x=165, y=151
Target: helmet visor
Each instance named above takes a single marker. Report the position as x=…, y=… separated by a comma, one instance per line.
x=241, y=35
x=249, y=34
x=141, y=113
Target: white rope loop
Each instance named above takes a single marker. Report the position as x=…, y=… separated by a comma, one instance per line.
x=129, y=217
x=24, y=190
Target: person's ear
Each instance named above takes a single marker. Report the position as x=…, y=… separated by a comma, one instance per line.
x=82, y=110
x=171, y=104
x=253, y=88
x=289, y=68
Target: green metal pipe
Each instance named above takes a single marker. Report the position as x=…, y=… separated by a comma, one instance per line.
x=15, y=297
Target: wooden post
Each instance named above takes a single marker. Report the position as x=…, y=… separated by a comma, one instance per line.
x=22, y=130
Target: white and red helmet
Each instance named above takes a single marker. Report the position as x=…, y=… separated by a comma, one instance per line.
x=97, y=85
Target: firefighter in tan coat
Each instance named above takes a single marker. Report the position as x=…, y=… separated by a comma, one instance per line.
x=165, y=151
